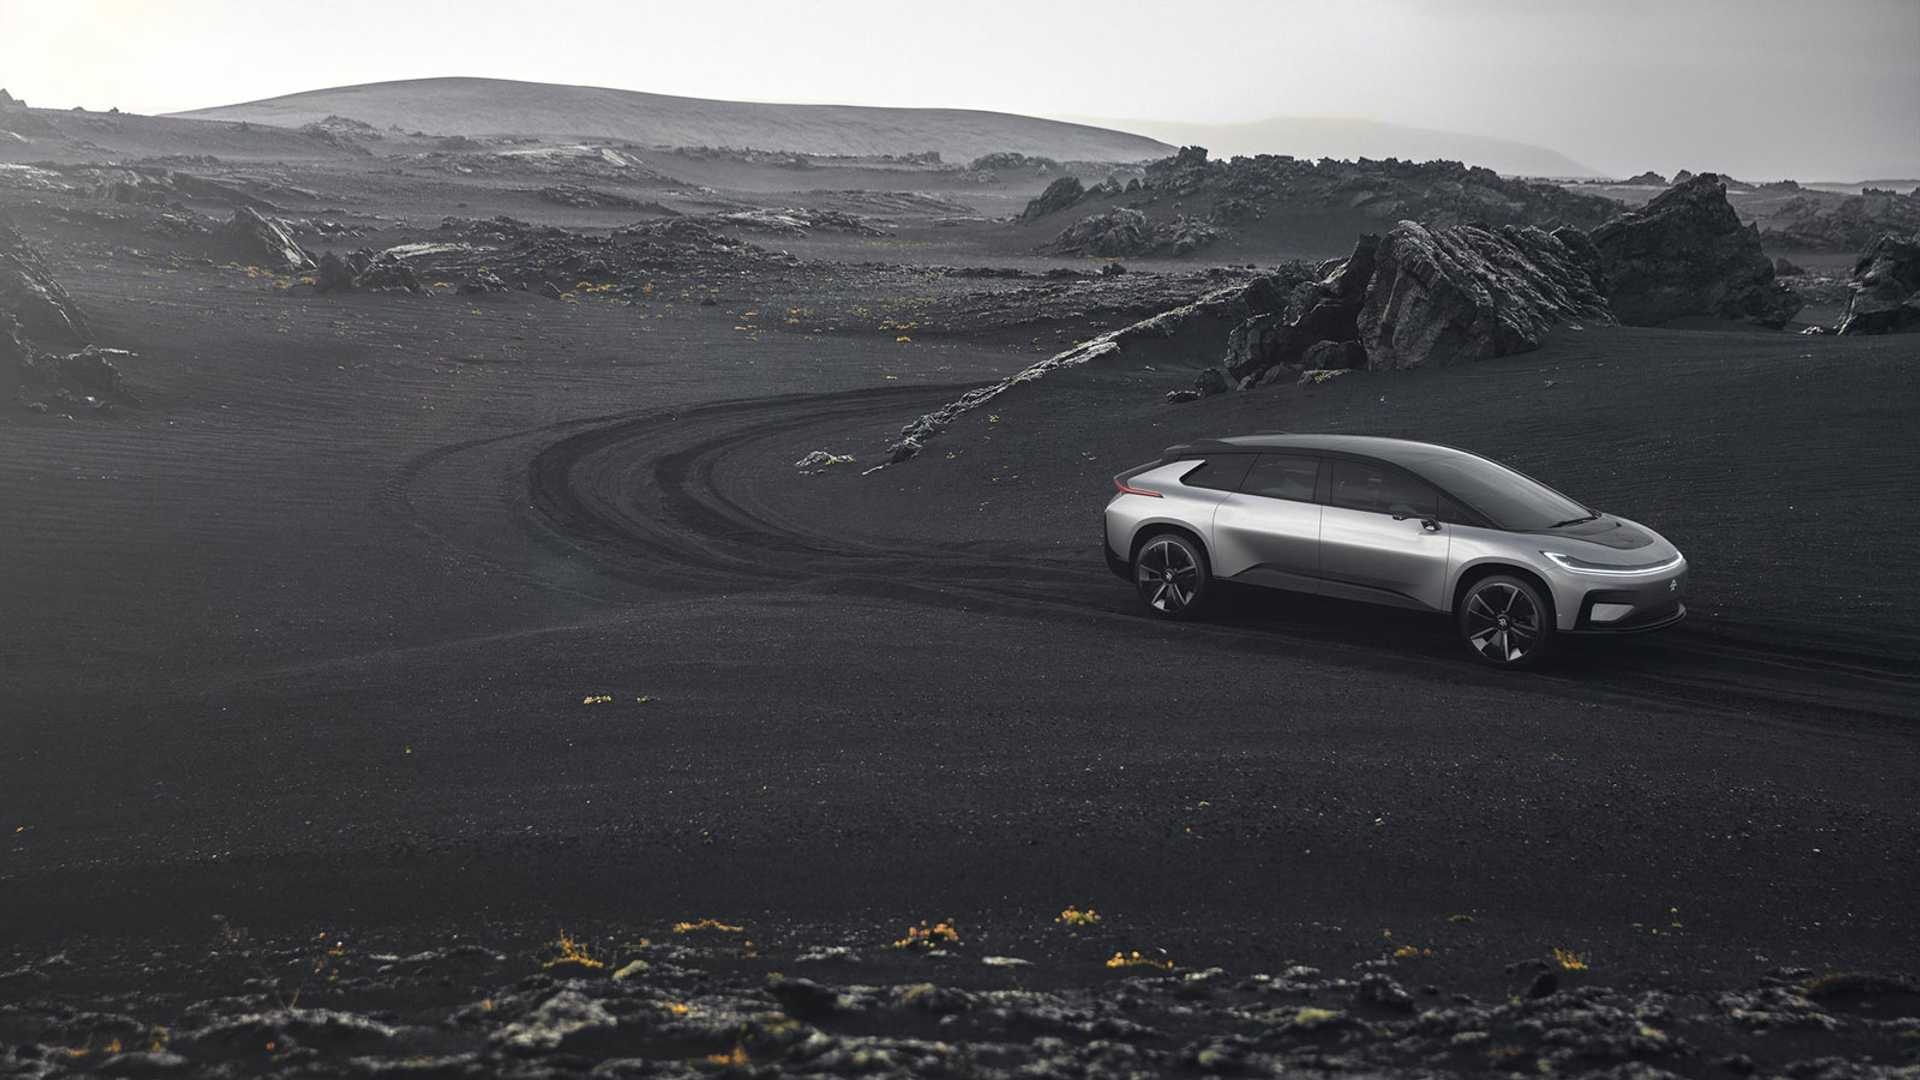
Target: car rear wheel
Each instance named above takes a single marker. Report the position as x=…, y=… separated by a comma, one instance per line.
x=1505, y=621
x=1170, y=574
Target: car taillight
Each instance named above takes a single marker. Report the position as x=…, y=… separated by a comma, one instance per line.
x=1121, y=486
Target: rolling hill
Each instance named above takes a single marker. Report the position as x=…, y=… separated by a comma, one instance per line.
x=465, y=106
x=1344, y=137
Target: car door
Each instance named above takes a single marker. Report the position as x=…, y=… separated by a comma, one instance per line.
x=1381, y=537
x=1268, y=531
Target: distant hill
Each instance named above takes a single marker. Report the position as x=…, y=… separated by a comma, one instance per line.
x=461, y=106
x=1340, y=137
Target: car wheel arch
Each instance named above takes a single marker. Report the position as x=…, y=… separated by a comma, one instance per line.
x=1149, y=530
x=1480, y=571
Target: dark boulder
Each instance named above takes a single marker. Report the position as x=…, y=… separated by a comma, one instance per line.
x=1686, y=253
x=1441, y=296
x=333, y=274
x=1060, y=195
x=1785, y=267
x=28, y=292
x=1324, y=310
x=255, y=236
x=1886, y=288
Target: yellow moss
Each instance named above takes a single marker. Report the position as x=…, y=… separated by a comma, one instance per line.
x=1411, y=952
x=597, y=699
x=929, y=937
x=737, y=1056
x=706, y=924
x=1568, y=959
x=1073, y=916
x=573, y=952
x=1136, y=959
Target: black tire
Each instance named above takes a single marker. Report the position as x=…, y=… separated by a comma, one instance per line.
x=1505, y=621
x=1171, y=576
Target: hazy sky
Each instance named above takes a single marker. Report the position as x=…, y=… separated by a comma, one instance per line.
x=1813, y=89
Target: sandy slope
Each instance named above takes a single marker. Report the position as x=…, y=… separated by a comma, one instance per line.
x=499, y=106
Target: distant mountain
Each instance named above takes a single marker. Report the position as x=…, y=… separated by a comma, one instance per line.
x=1340, y=137
x=461, y=106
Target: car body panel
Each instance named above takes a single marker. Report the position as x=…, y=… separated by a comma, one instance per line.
x=1404, y=558
x=1275, y=537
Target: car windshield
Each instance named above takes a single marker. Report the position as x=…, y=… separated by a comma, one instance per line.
x=1509, y=499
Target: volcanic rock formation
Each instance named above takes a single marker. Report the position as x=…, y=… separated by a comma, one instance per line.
x=1423, y=296
x=257, y=236
x=1686, y=253
x=1123, y=231
x=36, y=301
x=1886, y=288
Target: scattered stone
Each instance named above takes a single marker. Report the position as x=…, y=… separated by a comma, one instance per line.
x=1184, y=394
x=1686, y=253
x=818, y=459
x=568, y=1017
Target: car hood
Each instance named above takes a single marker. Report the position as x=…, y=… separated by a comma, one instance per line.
x=1616, y=534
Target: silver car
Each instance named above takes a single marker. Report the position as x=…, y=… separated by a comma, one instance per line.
x=1394, y=522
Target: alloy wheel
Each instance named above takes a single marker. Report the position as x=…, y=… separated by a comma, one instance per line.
x=1168, y=576
x=1503, y=623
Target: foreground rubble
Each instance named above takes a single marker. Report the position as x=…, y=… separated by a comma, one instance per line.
x=704, y=999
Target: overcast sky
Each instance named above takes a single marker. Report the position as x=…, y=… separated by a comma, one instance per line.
x=1812, y=89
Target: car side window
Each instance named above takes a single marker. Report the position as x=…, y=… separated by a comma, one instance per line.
x=1382, y=489
x=1283, y=476
x=1220, y=473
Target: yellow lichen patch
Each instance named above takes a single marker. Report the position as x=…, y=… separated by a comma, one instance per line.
x=737, y=1056
x=678, y=1008
x=573, y=952
x=706, y=924
x=597, y=699
x=1073, y=916
x=1138, y=959
x=1411, y=952
x=929, y=937
x=903, y=340
x=1568, y=959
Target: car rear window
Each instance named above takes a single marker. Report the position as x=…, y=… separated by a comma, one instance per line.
x=1222, y=473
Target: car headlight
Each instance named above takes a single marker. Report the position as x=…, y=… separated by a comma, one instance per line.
x=1581, y=566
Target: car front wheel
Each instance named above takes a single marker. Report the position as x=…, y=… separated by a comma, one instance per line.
x=1505, y=621
x=1170, y=574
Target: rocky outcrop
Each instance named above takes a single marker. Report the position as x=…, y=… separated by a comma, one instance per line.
x=1686, y=253
x=1060, y=195
x=1420, y=297
x=1817, y=221
x=1123, y=231
x=1649, y=178
x=1886, y=288
x=28, y=292
x=255, y=236
x=1442, y=296
x=71, y=383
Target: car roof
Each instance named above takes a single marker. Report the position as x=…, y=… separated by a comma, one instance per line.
x=1404, y=452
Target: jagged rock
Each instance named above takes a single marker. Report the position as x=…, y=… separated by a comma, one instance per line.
x=1441, y=296
x=1886, y=288
x=1212, y=381
x=1686, y=253
x=1326, y=355
x=1183, y=394
x=1060, y=195
x=1817, y=222
x=1125, y=231
x=1648, y=177
x=1785, y=267
x=267, y=239
x=482, y=281
x=28, y=292
x=1682, y=176
x=564, y=1019
x=549, y=290
x=333, y=274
